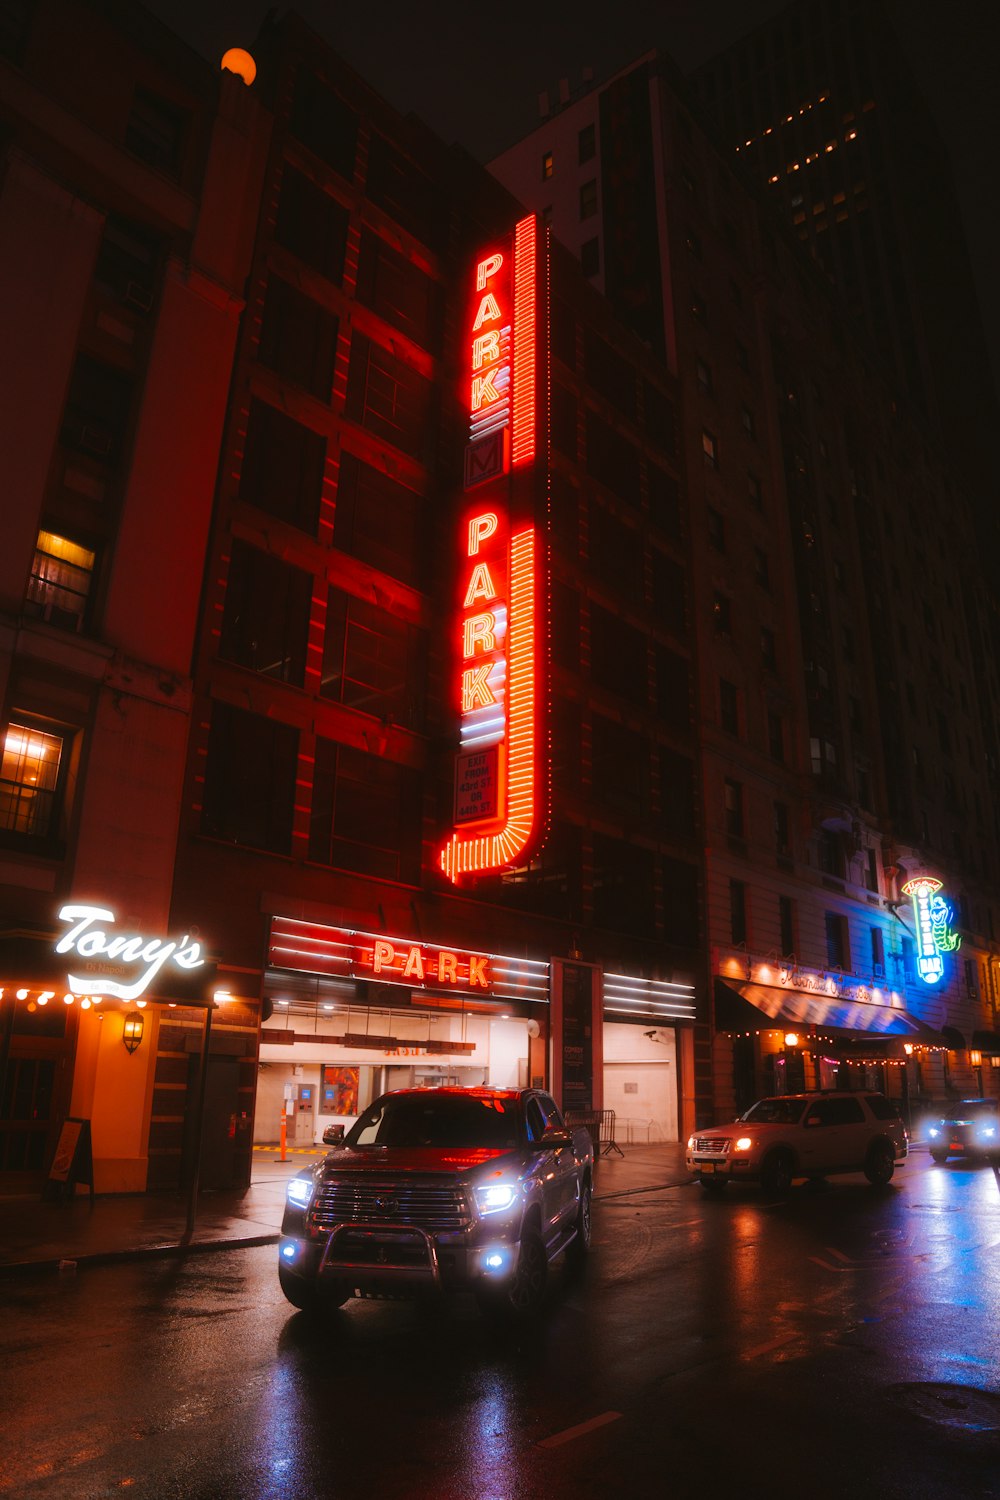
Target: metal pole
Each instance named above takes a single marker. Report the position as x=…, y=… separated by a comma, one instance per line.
x=192, y=1203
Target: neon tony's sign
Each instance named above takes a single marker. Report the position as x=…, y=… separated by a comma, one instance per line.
x=102, y=954
x=932, y=916
x=496, y=633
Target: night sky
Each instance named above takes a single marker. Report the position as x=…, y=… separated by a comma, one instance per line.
x=473, y=72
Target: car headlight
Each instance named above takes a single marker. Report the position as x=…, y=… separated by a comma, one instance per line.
x=495, y=1197
x=743, y=1143
x=987, y=1130
x=299, y=1192
x=933, y=1131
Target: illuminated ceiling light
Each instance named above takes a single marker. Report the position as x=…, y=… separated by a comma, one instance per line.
x=68, y=999
x=791, y=1039
x=141, y=1004
x=85, y=1003
x=22, y=994
x=282, y=1002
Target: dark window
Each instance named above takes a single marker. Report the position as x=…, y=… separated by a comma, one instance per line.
x=372, y=660
x=324, y=123
x=565, y=625
x=366, y=814
x=550, y=881
x=742, y=357
x=380, y=521
x=32, y=777
x=623, y=886
x=61, y=574
x=588, y=199
x=733, y=791
x=737, y=911
x=677, y=794
x=669, y=593
x=775, y=736
x=157, y=131
x=564, y=420
x=673, y=688
x=729, y=706
x=664, y=500
x=830, y=850
x=586, y=142
x=311, y=224
x=298, y=338
x=16, y=17
x=786, y=923
x=265, y=623
x=128, y=260
x=399, y=291
x=389, y=397
x=878, y=952
x=768, y=648
x=406, y=194
x=609, y=373
x=699, y=309
x=612, y=459
x=616, y=551
x=659, y=419
x=754, y=491
x=250, y=779
x=762, y=571
x=563, y=320
x=716, y=529
x=781, y=829
x=565, y=510
x=621, y=768
x=705, y=377
x=98, y=406
x=680, y=903
x=722, y=613
x=590, y=257
x=617, y=656
x=837, y=947
x=282, y=467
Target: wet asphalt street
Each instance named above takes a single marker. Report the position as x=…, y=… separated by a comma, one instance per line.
x=843, y=1342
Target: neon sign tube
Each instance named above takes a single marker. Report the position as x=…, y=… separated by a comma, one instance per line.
x=932, y=924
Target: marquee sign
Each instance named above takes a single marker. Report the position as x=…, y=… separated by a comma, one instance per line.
x=932, y=916
x=344, y=953
x=496, y=632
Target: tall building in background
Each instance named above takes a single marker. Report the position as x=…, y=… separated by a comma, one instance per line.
x=846, y=698
x=128, y=167
x=825, y=116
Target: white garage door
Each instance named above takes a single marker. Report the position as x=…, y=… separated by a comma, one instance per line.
x=643, y=1097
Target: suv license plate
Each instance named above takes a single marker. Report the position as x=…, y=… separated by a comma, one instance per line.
x=708, y=1166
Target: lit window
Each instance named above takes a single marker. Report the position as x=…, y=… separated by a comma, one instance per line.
x=60, y=580
x=709, y=449
x=29, y=780
x=546, y=165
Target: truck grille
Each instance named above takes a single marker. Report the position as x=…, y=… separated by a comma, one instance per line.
x=428, y=1204
x=711, y=1145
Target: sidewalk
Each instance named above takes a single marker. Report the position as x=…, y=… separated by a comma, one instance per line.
x=41, y=1236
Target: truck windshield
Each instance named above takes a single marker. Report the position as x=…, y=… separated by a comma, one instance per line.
x=449, y=1120
x=775, y=1111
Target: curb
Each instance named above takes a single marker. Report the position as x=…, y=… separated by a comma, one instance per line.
x=146, y=1252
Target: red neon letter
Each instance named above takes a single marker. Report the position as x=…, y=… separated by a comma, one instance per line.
x=414, y=966
x=480, y=528
x=477, y=971
x=383, y=955
x=448, y=968
x=489, y=312
x=484, y=392
x=480, y=586
x=485, y=349
x=476, y=691
x=487, y=268
x=479, y=633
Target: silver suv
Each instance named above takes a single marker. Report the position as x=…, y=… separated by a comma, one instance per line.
x=791, y=1136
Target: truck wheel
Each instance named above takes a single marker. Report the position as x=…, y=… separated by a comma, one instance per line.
x=776, y=1173
x=519, y=1297
x=880, y=1164
x=307, y=1296
x=578, y=1247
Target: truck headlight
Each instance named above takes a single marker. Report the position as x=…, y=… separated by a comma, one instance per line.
x=744, y=1143
x=299, y=1192
x=495, y=1197
x=987, y=1131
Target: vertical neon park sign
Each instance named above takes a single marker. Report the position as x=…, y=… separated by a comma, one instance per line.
x=497, y=631
x=932, y=916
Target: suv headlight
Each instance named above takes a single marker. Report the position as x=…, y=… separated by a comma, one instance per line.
x=743, y=1143
x=495, y=1197
x=933, y=1131
x=299, y=1192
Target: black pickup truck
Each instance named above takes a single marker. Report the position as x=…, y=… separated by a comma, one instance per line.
x=437, y=1190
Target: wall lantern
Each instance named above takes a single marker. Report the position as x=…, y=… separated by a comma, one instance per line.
x=791, y=1039
x=908, y=1048
x=975, y=1058
x=995, y=1060
x=132, y=1030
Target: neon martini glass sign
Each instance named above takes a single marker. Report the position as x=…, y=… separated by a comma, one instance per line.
x=932, y=916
